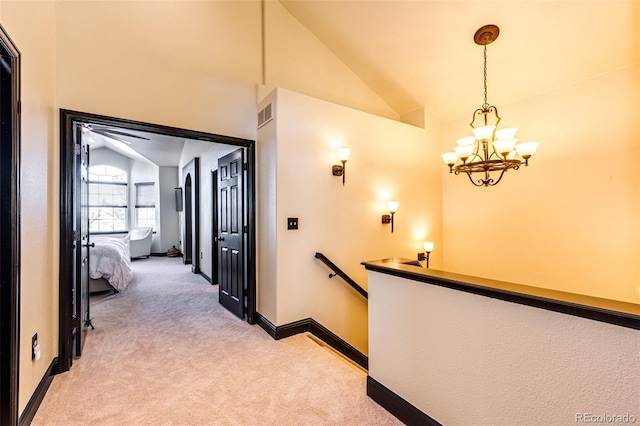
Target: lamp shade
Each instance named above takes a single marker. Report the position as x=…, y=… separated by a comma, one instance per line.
x=464, y=151
x=484, y=132
x=428, y=246
x=527, y=149
x=504, y=147
x=467, y=140
x=343, y=154
x=506, y=133
x=449, y=158
x=392, y=206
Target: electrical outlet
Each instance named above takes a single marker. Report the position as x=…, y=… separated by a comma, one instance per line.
x=292, y=223
x=200, y=255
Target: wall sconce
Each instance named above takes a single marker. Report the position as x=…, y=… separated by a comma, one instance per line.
x=428, y=248
x=343, y=155
x=388, y=218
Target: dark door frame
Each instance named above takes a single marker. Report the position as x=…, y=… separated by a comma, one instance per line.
x=9, y=229
x=191, y=214
x=187, y=231
x=214, y=227
x=68, y=119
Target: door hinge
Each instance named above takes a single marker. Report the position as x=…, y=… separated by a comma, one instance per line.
x=77, y=149
x=245, y=166
x=76, y=235
x=245, y=229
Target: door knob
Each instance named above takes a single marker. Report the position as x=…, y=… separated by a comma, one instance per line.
x=219, y=238
x=89, y=245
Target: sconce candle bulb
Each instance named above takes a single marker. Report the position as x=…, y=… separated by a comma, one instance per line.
x=428, y=248
x=343, y=156
x=392, y=206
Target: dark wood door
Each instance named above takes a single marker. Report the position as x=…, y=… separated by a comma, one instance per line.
x=230, y=232
x=82, y=244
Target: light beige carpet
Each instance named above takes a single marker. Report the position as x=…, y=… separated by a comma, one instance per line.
x=165, y=352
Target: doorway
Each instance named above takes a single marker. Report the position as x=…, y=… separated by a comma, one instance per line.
x=191, y=171
x=9, y=228
x=69, y=120
x=188, y=223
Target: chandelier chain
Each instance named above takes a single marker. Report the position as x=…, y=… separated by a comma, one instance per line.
x=485, y=105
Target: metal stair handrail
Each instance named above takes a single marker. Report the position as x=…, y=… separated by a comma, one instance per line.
x=339, y=272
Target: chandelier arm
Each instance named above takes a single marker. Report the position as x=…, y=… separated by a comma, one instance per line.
x=473, y=117
x=496, y=182
x=480, y=182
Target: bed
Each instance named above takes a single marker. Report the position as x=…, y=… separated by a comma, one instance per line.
x=109, y=264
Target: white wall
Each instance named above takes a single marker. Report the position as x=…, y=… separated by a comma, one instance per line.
x=267, y=209
x=168, y=217
x=466, y=359
x=569, y=221
x=389, y=160
x=106, y=156
x=141, y=171
x=137, y=171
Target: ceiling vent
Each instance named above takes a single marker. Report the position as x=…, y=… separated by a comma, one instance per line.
x=265, y=115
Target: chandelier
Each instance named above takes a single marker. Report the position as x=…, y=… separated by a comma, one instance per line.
x=490, y=149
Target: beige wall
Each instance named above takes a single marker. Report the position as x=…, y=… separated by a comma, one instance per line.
x=196, y=65
x=186, y=64
x=466, y=359
x=31, y=25
x=297, y=60
x=569, y=221
x=266, y=222
x=389, y=160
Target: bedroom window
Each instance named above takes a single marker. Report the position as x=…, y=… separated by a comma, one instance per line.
x=107, y=199
x=146, y=204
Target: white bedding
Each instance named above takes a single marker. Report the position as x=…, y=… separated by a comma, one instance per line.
x=110, y=260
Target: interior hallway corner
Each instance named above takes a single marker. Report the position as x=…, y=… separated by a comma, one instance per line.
x=165, y=352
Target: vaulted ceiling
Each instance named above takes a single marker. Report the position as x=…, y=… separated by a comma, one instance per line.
x=421, y=52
